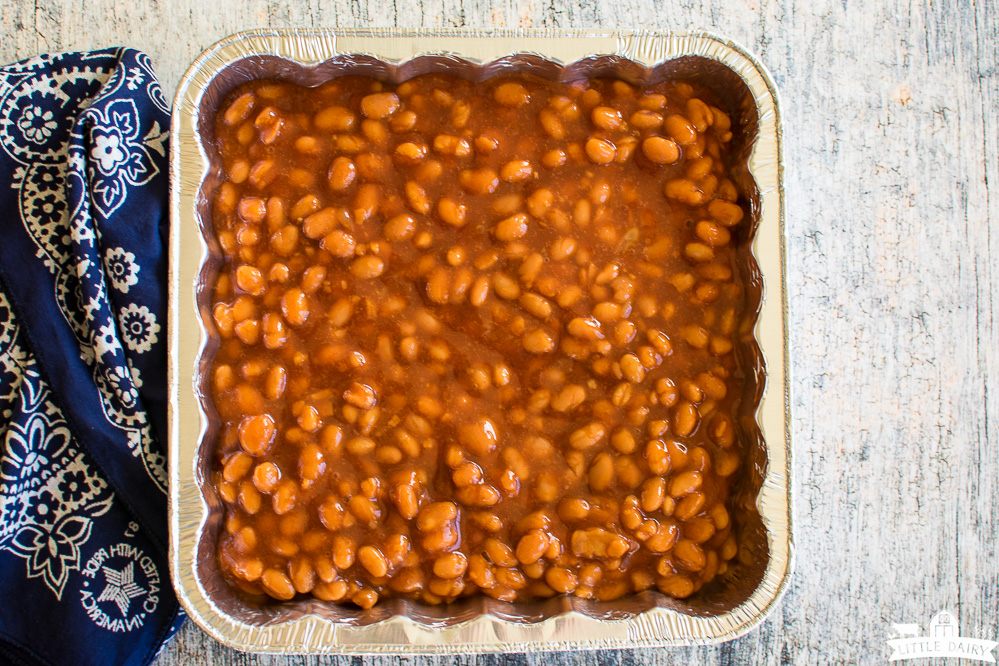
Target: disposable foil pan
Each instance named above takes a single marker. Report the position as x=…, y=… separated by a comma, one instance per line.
x=309, y=57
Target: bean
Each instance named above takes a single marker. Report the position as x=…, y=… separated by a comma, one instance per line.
x=657, y=456
x=725, y=213
x=554, y=158
x=399, y=228
x=450, y=565
x=698, y=169
x=479, y=436
x=660, y=150
x=407, y=501
x=436, y=515
x=439, y=285
x=248, y=331
x=538, y=341
x=536, y=305
x=367, y=267
x=373, y=560
x=342, y=173
x=417, y=197
x=360, y=395
x=379, y=105
x=680, y=130
x=597, y=543
x=695, y=336
x=505, y=286
x=479, y=181
x=410, y=153
x=312, y=463
x=360, y=446
x=569, y=398
x=266, y=476
x=684, y=191
x=256, y=433
x=511, y=94
x=320, y=223
x=653, y=494
x=451, y=212
x=511, y=228
x=700, y=114
x=698, y=252
x=447, y=144
x=250, y=280
x=646, y=119
x=606, y=118
x=277, y=584
x=486, y=144
x=600, y=151
x=562, y=248
x=237, y=467
x=516, y=171
x=239, y=110
x=719, y=516
x=690, y=505
x=334, y=119
x=689, y=555
x=601, y=474
x=467, y=474
x=623, y=441
x=252, y=209
x=685, y=483
x=585, y=328
x=588, y=436
x=308, y=419
x=573, y=509
x=632, y=368
x=551, y=124
x=295, y=307
x=720, y=346
x=564, y=106
x=721, y=431
x=532, y=546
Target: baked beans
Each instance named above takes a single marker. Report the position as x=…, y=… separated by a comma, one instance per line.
x=476, y=338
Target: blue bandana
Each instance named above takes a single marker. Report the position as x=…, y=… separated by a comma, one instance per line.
x=83, y=260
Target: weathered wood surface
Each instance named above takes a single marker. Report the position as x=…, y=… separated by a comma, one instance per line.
x=891, y=110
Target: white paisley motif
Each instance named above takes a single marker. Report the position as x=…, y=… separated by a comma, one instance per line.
x=12, y=363
x=138, y=327
x=101, y=151
x=121, y=269
x=120, y=156
x=49, y=496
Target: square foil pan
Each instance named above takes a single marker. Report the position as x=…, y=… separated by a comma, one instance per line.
x=719, y=612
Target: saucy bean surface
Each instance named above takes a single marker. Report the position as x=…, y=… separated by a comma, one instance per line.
x=476, y=338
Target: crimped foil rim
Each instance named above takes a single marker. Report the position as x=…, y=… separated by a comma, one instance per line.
x=485, y=633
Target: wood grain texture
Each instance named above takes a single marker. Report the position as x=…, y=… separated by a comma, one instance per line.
x=891, y=113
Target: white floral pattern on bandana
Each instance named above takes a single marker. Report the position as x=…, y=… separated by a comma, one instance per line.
x=103, y=153
x=82, y=299
x=49, y=496
x=138, y=327
x=121, y=269
x=36, y=125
